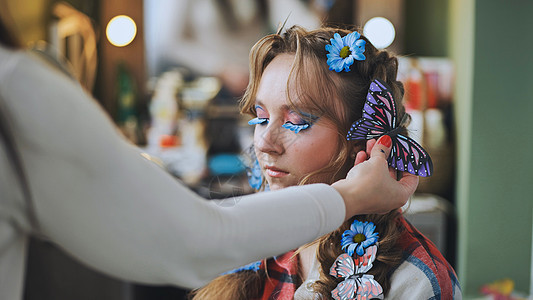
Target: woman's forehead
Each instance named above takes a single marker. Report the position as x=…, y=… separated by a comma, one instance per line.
x=280, y=79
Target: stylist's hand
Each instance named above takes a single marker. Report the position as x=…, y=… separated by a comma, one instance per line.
x=370, y=187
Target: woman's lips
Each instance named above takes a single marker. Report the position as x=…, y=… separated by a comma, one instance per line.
x=275, y=172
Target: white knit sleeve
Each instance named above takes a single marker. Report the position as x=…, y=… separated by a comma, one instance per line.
x=100, y=200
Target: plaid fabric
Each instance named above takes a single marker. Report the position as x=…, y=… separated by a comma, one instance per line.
x=417, y=249
x=282, y=279
x=421, y=252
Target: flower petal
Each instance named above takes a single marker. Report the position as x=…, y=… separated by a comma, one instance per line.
x=351, y=248
x=348, y=61
x=336, y=46
x=359, y=56
x=369, y=229
x=338, y=39
x=347, y=67
x=359, y=227
x=349, y=39
x=360, y=250
x=360, y=43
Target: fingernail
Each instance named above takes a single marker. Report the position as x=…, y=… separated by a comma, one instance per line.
x=385, y=141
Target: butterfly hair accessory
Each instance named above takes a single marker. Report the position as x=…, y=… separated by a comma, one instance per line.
x=343, y=51
x=379, y=118
x=356, y=284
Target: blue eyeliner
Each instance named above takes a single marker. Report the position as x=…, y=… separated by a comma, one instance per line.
x=310, y=117
x=294, y=127
x=256, y=121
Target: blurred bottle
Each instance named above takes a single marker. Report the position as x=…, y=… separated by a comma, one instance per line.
x=415, y=101
x=414, y=87
x=436, y=131
x=164, y=110
x=127, y=117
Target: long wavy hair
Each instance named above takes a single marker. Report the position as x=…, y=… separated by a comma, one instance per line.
x=339, y=97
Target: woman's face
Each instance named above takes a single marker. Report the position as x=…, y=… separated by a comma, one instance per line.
x=287, y=146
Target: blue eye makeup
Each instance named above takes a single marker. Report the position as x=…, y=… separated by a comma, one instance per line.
x=295, y=127
x=296, y=123
x=256, y=121
x=259, y=119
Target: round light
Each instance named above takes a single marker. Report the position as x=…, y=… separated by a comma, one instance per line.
x=380, y=32
x=121, y=31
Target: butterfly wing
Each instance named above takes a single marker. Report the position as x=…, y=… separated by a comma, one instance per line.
x=369, y=288
x=364, y=263
x=407, y=155
x=343, y=266
x=365, y=129
x=379, y=114
x=345, y=290
x=379, y=105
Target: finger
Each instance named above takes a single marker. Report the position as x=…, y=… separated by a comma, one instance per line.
x=409, y=182
x=394, y=173
x=369, y=145
x=382, y=147
x=360, y=157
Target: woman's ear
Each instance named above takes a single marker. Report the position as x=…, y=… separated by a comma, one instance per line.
x=356, y=146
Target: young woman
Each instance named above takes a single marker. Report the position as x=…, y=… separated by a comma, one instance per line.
x=306, y=90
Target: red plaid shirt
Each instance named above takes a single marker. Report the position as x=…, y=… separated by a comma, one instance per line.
x=421, y=252
x=283, y=277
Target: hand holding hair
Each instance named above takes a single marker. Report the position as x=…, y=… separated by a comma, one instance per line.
x=368, y=176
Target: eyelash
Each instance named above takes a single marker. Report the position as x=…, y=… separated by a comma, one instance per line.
x=296, y=128
x=256, y=121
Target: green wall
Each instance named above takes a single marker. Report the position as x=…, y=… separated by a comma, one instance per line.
x=426, y=30
x=492, y=45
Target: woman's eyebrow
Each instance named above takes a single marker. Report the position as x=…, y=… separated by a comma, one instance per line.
x=259, y=103
x=308, y=116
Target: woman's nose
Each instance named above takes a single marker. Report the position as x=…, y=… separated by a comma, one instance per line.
x=270, y=139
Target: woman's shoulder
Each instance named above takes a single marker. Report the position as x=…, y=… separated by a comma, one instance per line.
x=412, y=281
x=423, y=268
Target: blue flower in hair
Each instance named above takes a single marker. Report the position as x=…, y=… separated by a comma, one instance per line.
x=343, y=51
x=360, y=236
x=254, y=176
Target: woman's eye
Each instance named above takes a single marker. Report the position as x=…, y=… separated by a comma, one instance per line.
x=258, y=120
x=295, y=127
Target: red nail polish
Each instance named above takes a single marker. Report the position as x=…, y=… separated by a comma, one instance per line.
x=385, y=141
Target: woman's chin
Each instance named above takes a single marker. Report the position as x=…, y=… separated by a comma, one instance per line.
x=277, y=185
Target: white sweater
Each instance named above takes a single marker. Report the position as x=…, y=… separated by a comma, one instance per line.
x=95, y=196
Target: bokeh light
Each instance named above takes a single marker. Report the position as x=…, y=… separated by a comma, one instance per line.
x=380, y=32
x=121, y=31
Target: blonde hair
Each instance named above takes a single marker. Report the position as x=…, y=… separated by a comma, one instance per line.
x=339, y=97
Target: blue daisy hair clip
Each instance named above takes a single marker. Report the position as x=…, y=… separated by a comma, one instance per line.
x=360, y=244
x=343, y=51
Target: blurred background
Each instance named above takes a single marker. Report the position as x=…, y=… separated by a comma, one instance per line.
x=170, y=73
